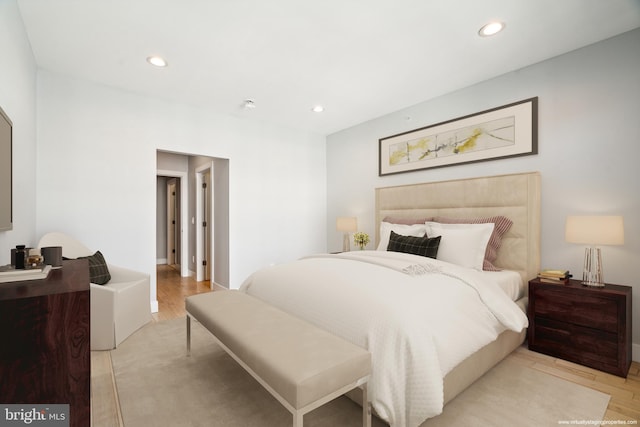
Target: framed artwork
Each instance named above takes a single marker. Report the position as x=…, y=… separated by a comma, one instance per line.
x=507, y=131
x=6, y=172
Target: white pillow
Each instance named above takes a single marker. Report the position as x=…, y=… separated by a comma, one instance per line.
x=461, y=244
x=415, y=230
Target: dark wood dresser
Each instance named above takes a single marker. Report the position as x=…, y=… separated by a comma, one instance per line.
x=586, y=325
x=45, y=355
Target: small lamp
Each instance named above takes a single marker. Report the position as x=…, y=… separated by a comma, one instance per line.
x=593, y=231
x=346, y=225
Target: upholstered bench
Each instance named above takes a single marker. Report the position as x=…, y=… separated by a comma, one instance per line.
x=301, y=365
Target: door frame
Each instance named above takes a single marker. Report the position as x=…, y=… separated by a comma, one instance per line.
x=200, y=269
x=184, y=225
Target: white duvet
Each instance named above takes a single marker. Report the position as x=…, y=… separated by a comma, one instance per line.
x=419, y=318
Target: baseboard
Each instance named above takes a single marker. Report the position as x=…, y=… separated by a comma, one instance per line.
x=218, y=287
x=635, y=352
x=161, y=261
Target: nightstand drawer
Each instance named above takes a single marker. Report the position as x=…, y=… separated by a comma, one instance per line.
x=587, y=310
x=576, y=343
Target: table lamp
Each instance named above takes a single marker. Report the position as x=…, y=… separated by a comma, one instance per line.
x=346, y=225
x=594, y=231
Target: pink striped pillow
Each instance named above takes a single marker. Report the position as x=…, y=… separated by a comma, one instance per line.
x=501, y=226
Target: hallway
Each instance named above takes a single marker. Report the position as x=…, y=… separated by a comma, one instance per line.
x=172, y=290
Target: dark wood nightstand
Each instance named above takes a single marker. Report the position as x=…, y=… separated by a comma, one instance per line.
x=586, y=325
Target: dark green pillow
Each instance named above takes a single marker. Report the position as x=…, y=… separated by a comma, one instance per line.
x=424, y=246
x=98, y=271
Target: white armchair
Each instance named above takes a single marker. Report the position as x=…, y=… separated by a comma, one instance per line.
x=120, y=307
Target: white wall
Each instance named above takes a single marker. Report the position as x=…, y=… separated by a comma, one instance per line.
x=589, y=150
x=18, y=100
x=97, y=175
x=221, y=222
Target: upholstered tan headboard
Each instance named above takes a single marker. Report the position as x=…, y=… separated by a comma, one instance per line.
x=515, y=196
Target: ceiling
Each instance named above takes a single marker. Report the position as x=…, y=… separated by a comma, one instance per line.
x=360, y=59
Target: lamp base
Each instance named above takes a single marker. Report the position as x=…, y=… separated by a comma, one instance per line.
x=346, y=245
x=593, y=284
x=592, y=271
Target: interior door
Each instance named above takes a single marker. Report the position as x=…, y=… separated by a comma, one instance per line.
x=172, y=221
x=206, y=224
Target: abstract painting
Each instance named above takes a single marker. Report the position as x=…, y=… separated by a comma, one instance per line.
x=507, y=131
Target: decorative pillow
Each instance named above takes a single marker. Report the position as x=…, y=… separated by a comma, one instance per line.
x=98, y=271
x=424, y=246
x=501, y=226
x=416, y=230
x=462, y=244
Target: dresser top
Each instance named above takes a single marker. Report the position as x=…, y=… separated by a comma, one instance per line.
x=72, y=277
x=576, y=285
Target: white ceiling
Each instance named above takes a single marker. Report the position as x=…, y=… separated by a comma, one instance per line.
x=359, y=58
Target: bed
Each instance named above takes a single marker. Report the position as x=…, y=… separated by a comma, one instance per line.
x=428, y=351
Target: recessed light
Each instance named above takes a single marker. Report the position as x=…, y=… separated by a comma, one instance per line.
x=249, y=104
x=318, y=109
x=491, y=28
x=157, y=61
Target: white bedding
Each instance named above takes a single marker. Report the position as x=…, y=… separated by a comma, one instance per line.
x=419, y=317
x=509, y=281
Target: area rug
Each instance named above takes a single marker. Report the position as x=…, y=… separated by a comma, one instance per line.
x=158, y=385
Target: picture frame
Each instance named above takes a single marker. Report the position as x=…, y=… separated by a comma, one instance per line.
x=507, y=131
x=6, y=172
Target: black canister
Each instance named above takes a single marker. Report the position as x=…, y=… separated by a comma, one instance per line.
x=21, y=255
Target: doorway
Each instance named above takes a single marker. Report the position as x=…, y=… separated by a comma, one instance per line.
x=172, y=235
x=198, y=206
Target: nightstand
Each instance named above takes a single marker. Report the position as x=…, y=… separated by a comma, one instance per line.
x=586, y=325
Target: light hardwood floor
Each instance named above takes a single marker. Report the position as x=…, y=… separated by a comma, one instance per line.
x=172, y=290
x=624, y=405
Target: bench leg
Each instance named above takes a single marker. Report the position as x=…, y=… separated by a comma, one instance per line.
x=297, y=419
x=366, y=406
x=188, y=335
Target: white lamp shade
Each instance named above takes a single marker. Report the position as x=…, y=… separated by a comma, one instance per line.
x=347, y=224
x=595, y=230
